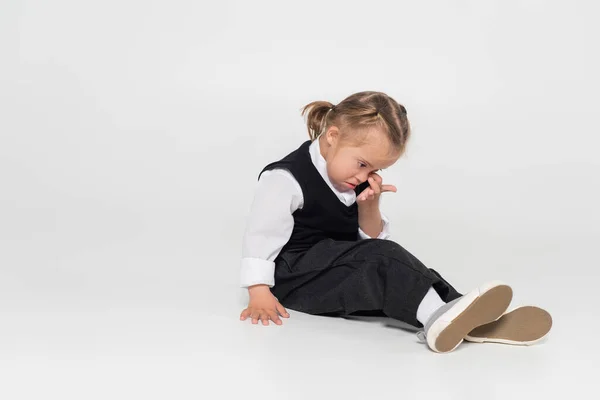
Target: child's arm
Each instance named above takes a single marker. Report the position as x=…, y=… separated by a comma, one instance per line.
x=269, y=227
x=370, y=220
x=383, y=234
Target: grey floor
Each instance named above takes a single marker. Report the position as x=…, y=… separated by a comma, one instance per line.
x=140, y=317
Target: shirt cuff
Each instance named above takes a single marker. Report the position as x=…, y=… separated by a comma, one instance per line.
x=385, y=231
x=256, y=271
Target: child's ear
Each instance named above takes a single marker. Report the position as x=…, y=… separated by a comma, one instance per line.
x=332, y=135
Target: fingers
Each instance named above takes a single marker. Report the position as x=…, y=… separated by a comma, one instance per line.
x=375, y=188
x=245, y=313
x=377, y=177
x=367, y=194
x=274, y=317
x=374, y=185
x=281, y=310
x=264, y=315
x=255, y=316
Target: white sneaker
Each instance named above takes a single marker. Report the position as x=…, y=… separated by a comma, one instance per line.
x=522, y=326
x=449, y=325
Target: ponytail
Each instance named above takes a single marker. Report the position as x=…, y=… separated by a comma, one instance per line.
x=319, y=114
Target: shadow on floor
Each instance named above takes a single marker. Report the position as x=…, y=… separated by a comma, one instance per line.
x=376, y=317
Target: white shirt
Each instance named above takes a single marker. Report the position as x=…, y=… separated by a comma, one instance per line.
x=270, y=222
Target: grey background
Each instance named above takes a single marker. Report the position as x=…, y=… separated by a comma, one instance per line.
x=131, y=136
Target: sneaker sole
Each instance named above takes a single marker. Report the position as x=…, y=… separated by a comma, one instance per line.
x=478, y=307
x=522, y=326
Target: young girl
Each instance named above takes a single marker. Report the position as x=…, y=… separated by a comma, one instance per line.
x=317, y=242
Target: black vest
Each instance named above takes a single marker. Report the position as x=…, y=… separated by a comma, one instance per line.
x=323, y=215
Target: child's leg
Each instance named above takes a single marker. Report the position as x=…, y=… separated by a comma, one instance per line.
x=341, y=278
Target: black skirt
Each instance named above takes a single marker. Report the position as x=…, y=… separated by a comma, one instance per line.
x=368, y=277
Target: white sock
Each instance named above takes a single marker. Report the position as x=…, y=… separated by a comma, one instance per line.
x=430, y=303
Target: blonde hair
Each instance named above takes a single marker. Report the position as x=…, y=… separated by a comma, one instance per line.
x=359, y=112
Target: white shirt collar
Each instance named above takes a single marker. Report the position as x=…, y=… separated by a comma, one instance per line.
x=348, y=197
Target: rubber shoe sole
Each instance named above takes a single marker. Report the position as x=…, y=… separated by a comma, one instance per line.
x=478, y=307
x=522, y=326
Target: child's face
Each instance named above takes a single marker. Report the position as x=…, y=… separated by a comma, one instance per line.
x=349, y=165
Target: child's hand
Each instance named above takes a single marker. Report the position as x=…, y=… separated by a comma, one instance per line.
x=264, y=306
x=371, y=194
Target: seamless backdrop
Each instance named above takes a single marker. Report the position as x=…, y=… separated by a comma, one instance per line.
x=131, y=137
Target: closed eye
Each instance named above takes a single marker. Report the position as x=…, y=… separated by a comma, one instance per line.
x=362, y=164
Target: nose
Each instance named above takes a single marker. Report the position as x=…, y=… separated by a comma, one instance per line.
x=362, y=177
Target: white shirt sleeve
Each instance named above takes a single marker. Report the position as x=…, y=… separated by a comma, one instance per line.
x=270, y=224
x=385, y=231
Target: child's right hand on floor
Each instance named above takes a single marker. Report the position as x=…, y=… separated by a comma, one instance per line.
x=264, y=306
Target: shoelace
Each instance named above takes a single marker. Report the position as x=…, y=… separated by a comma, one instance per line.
x=422, y=337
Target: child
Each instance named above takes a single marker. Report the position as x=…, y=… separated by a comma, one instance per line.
x=316, y=241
